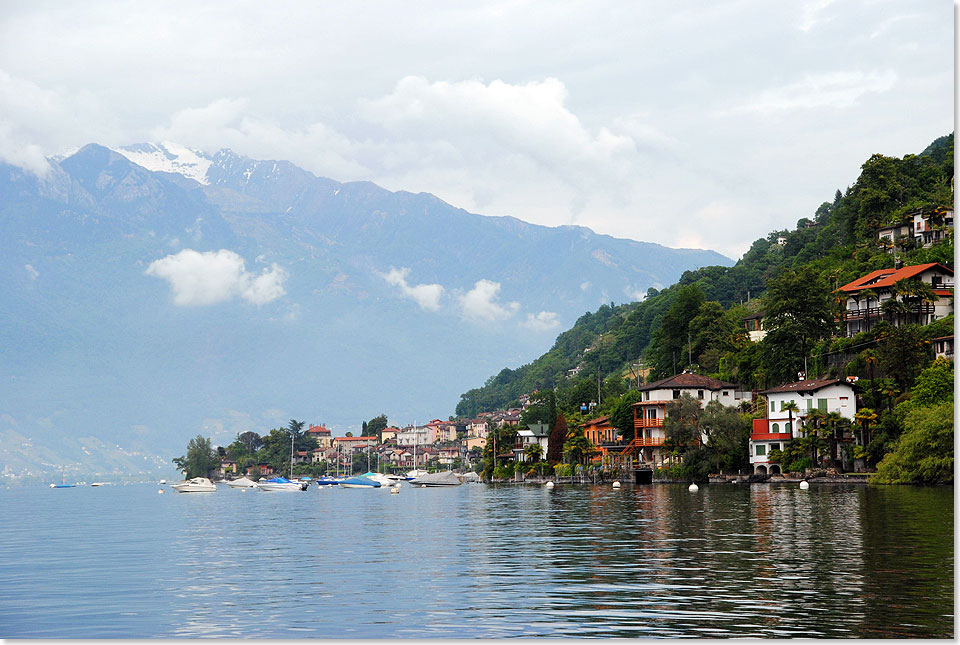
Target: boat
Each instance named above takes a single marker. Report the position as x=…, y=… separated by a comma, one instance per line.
x=243, y=482
x=326, y=480
x=358, y=482
x=163, y=482
x=62, y=484
x=383, y=479
x=280, y=484
x=195, y=485
x=98, y=484
x=448, y=478
x=413, y=474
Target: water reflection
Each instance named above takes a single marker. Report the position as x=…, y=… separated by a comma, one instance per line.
x=481, y=561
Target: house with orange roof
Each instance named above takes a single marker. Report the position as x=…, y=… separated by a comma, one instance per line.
x=321, y=434
x=866, y=297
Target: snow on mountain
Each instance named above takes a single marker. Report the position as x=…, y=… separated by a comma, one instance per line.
x=169, y=157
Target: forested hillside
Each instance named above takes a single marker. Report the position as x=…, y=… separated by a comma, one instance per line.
x=697, y=322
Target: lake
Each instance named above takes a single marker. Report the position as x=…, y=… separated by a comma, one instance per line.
x=478, y=561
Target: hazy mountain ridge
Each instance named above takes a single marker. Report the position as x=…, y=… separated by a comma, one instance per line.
x=99, y=347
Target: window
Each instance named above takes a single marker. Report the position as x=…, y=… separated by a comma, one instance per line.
x=761, y=449
x=774, y=446
x=809, y=404
x=676, y=394
x=725, y=393
x=786, y=428
x=773, y=406
x=646, y=395
x=699, y=394
x=775, y=428
x=822, y=405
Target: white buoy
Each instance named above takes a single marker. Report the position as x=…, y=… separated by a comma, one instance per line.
x=160, y=491
x=549, y=485
x=804, y=485
x=616, y=484
x=243, y=490
x=394, y=491
x=423, y=485
x=693, y=488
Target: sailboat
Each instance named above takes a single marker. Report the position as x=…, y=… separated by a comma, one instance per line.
x=282, y=483
x=61, y=484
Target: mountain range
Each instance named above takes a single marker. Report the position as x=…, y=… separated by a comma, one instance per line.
x=151, y=293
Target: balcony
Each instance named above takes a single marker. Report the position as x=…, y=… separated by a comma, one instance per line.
x=647, y=423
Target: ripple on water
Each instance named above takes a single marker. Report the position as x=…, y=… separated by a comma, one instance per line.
x=479, y=561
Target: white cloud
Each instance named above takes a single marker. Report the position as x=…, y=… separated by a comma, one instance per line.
x=543, y=321
x=827, y=90
x=212, y=277
x=426, y=295
x=33, y=272
x=478, y=303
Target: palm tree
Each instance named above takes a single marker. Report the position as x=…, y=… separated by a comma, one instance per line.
x=533, y=452
x=790, y=407
x=814, y=421
x=865, y=416
x=893, y=309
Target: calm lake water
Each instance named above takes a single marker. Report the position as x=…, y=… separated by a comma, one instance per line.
x=478, y=561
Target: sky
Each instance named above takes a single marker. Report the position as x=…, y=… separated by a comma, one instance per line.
x=698, y=124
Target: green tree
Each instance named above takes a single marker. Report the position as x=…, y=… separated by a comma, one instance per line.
x=924, y=452
x=621, y=417
x=728, y=436
x=799, y=312
x=533, y=452
x=902, y=353
x=201, y=459
x=576, y=447
x=375, y=427
x=682, y=425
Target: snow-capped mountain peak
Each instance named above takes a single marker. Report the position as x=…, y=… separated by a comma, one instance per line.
x=169, y=157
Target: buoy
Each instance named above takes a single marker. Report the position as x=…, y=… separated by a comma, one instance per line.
x=394, y=491
x=616, y=484
x=423, y=485
x=243, y=490
x=804, y=485
x=693, y=488
x=160, y=491
x=549, y=485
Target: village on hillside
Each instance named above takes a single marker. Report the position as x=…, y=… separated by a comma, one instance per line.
x=805, y=424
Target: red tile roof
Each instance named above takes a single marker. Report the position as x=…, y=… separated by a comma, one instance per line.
x=886, y=277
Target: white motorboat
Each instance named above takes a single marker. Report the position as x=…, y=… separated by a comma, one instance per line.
x=383, y=479
x=277, y=484
x=195, y=485
x=98, y=484
x=243, y=482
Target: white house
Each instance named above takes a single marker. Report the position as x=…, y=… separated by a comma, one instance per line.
x=537, y=433
x=866, y=296
x=649, y=413
x=772, y=433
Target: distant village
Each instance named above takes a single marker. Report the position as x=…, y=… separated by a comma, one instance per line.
x=780, y=414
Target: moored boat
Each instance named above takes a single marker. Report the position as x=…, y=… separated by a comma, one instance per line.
x=358, y=482
x=243, y=482
x=276, y=484
x=448, y=478
x=195, y=485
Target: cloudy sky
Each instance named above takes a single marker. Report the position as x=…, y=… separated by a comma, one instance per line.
x=698, y=125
